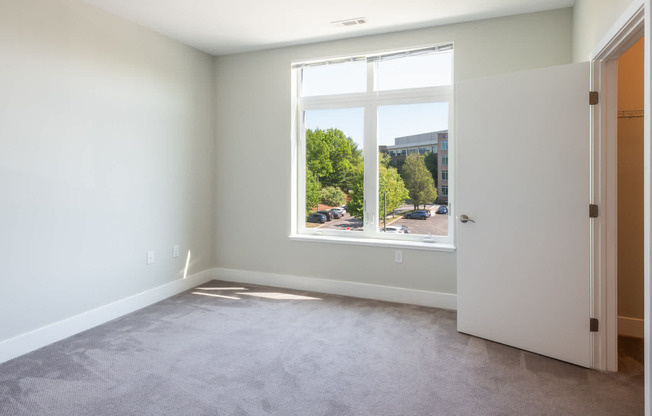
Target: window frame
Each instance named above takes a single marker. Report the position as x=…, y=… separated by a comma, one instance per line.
x=370, y=101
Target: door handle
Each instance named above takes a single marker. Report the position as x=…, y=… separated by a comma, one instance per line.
x=465, y=218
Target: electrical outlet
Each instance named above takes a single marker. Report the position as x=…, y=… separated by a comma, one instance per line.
x=398, y=256
x=150, y=257
x=175, y=251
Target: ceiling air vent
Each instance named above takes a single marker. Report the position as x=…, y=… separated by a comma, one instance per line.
x=350, y=22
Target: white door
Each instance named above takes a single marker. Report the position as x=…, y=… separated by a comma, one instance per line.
x=523, y=177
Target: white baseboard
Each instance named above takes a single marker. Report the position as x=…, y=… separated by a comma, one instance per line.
x=338, y=287
x=33, y=340
x=631, y=327
x=30, y=341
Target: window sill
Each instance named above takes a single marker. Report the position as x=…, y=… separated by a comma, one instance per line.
x=374, y=242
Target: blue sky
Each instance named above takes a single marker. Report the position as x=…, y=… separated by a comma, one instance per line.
x=393, y=121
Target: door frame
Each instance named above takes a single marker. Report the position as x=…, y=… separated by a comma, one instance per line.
x=629, y=28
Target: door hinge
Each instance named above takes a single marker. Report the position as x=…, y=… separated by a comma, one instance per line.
x=593, y=98
x=593, y=211
x=594, y=325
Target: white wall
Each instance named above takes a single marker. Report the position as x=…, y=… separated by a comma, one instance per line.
x=254, y=161
x=592, y=20
x=107, y=146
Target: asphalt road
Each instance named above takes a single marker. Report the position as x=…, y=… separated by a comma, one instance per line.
x=437, y=224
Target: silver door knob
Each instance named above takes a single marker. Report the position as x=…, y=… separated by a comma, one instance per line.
x=465, y=218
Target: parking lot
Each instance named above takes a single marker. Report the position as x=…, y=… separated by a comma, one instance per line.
x=436, y=224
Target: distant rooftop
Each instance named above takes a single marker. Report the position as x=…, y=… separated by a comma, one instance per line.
x=423, y=139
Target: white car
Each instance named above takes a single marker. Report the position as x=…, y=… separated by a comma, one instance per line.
x=395, y=229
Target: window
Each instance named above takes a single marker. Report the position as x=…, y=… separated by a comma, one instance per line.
x=444, y=160
x=348, y=111
x=444, y=190
x=444, y=175
x=444, y=145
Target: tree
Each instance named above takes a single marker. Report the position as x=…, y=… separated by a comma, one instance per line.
x=313, y=194
x=432, y=161
x=391, y=182
x=344, y=156
x=388, y=181
x=332, y=156
x=418, y=180
x=318, y=153
x=333, y=196
x=355, y=206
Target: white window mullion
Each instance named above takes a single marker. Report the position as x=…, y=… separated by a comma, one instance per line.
x=371, y=169
x=371, y=155
x=301, y=169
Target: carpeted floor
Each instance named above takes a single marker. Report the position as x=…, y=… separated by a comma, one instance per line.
x=630, y=356
x=266, y=351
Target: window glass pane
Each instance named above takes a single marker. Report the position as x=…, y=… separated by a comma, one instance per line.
x=329, y=79
x=431, y=70
x=334, y=169
x=410, y=184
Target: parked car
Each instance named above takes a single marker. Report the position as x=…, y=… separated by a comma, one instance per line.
x=395, y=229
x=417, y=215
x=336, y=214
x=328, y=214
x=316, y=217
x=339, y=210
x=443, y=209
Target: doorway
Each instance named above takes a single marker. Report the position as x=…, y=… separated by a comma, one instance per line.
x=605, y=188
x=630, y=258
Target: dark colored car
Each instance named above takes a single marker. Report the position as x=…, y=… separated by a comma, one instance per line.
x=417, y=215
x=328, y=214
x=443, y=209
x=336, y=213
x=316, y=217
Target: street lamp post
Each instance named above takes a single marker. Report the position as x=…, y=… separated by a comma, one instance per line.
x=384, y=212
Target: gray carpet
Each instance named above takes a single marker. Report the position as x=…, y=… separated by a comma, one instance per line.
x=194, y=354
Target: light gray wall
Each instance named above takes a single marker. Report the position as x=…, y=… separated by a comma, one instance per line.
x=107, y=148
x=253, y=148
x=592, y=19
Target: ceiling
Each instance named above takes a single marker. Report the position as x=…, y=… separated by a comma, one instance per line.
x=221, y=27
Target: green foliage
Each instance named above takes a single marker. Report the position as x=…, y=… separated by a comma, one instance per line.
x=391, y=182
x=317, y=154
x=418, y=180
x=388, y=181
x=333, y=196
x=313, y=194
x=355, y=206
x=333, y=157
x=432, y=161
